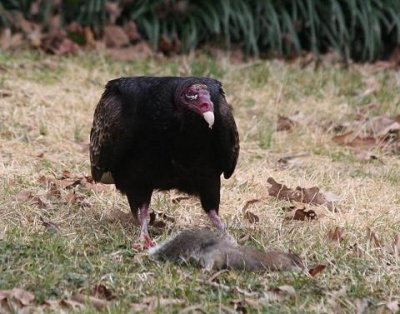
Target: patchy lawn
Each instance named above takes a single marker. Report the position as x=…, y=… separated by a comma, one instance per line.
x=62, y=237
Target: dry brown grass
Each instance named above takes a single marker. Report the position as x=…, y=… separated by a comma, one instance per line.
x=44, y=128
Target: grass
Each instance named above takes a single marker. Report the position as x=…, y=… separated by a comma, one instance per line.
x=44, y=129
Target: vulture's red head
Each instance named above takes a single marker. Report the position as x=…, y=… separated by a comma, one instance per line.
x=196, y=98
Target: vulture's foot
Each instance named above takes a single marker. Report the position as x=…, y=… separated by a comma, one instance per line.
x=147, y=242
x=144, y=243
x=215, y=220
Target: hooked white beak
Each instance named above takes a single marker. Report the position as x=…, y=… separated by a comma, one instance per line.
x=209, y=117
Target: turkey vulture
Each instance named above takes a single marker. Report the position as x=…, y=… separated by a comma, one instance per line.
x=164, y=133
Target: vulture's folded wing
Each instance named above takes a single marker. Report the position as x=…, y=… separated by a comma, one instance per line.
x=105, y=134
x=227, y=136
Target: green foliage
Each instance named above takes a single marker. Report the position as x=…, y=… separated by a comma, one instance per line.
x=360, y=29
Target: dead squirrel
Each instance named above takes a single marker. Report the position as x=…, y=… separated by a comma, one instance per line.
x=216, y=251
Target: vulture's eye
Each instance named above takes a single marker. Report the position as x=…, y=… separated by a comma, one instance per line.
x=191, y=97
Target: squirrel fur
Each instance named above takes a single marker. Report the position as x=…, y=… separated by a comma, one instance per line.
x=214, y=251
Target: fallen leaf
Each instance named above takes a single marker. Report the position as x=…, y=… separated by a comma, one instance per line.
x=49, y=225
x=355, y=141
x=282, y=191
x=310, y=195
x=382, y=125
x=373, y=238
x=68, y=182
x=252, y=218
x=316, y=270
x=284, y=124
x=114, y=36
x=249, y=203
x=102, y=292
x=302, y=215
x=381, y=132
x=336, y=234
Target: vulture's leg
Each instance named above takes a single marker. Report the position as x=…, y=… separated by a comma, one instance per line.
x=215, y=220
x=210, y=198
x=139, y=204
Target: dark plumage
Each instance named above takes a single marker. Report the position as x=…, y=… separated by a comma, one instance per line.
x=155, y=133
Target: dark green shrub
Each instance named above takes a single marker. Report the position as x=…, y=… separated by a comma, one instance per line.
x=360, y=29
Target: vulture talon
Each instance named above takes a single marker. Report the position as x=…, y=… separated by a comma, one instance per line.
x=148, y=243
x=144, y=244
